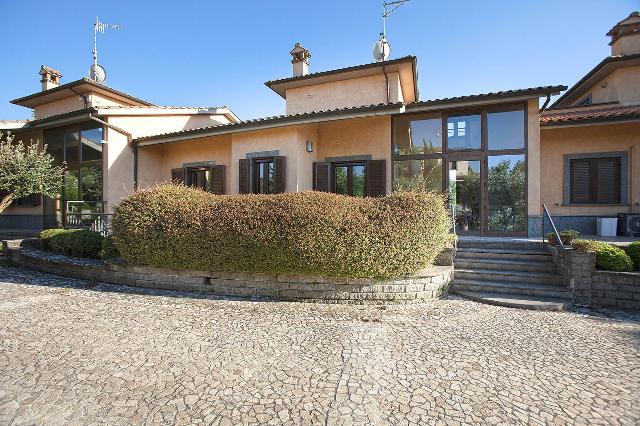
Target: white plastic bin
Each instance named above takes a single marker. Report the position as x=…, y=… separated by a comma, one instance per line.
x=607, y=226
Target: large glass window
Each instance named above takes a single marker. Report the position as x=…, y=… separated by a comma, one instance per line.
x=418, y=175
x=464, y=132
x=505, y=130
x=418, y=135
x=465, y=192
x=81, y=148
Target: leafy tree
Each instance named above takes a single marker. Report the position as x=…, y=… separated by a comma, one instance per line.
x=25, y=170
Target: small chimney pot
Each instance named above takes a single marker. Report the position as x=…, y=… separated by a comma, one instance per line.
x=300, y=60
x=50, y=77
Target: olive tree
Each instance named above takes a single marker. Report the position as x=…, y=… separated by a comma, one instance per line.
x=25, y=169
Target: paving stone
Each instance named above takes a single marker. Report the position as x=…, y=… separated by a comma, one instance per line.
x=80, y=352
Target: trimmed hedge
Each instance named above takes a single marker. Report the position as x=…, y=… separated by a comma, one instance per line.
x=72, y=242
x=109, y=249
x=633, y=250
x=608, y=257
x=566, y=236
x=308, y=233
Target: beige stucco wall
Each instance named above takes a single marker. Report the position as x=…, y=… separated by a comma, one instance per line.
x=556, y=142
x=61, y=106
x=622, y=85
x=627, y=45
x=533, y=159
x=361, y=136
x=345, y=93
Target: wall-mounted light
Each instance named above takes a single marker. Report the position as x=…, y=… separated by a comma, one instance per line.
x=396, y=149
x=309, y=146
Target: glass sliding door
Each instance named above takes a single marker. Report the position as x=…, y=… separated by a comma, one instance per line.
x=506, y=194
x=465, y=192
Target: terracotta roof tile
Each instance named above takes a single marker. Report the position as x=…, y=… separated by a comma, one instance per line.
x=550, y=116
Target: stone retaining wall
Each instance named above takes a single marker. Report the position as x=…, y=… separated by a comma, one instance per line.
x=596, y=288
x=430, y=283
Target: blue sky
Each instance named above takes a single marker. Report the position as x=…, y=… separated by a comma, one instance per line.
x=210, y=53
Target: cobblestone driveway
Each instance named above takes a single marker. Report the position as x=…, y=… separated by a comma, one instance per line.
x=73, y=353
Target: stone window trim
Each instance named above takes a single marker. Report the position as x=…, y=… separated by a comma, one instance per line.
x=262, y=154
x=624, y=175
x=348, y=159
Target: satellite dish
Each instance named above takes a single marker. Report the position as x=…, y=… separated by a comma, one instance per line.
x=97, y=73
x=382, y=49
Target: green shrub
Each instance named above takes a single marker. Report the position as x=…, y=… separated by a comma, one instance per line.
x=109, y=249
x=633, y=250
x=608, y=257
x=308, y=233
x=45, y=237
x=72, y=242
x=566, y=236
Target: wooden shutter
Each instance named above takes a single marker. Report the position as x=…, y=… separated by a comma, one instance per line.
x=322, y=177
x=243, y=178
x=607, y=171
x=217, y=180
x=376, y=177
x=177, y=175
x=279, y=175
x=581, y=188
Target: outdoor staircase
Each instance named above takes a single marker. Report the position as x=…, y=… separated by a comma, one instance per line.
x=509, y=272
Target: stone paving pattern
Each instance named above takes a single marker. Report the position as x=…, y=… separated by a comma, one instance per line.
x=72, y=352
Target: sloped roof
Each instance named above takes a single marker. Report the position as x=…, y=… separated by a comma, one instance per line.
x=605, y=67
x=284, y=119
x=529, y=92
x=583, y=116
x=43, y=96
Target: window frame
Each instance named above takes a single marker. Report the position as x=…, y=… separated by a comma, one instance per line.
x=349, y=165
x=623, y=177
x=593, y=195
x=255, y=165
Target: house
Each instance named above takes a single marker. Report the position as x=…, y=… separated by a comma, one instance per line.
x=360, y=131
x=590, y=139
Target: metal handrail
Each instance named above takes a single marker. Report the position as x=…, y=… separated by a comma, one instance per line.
x=98, y=222
x=553, y=225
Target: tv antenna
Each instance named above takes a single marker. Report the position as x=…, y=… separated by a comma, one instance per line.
x=382, y=48
x=97, y=72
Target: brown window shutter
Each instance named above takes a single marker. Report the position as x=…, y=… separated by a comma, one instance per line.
x=607, y=171
x=243, y=180
x=322, y=177
x=581, y=181
x=177, y=175
x=216, y=185
x=279, y=175
x=376, y=177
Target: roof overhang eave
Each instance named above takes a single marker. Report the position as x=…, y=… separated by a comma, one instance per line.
x=270, y=124
x=591, y=122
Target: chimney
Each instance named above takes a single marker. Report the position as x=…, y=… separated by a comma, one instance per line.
x=625, y=36
x=50, y=77
x=300, y=60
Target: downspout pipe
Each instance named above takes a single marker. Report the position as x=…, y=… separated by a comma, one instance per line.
x=130, y=142
x=546, y=102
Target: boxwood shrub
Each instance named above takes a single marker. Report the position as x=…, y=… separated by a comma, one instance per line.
x=608, y=257
x=308, y=233
x=633, y=250
x=72, y=242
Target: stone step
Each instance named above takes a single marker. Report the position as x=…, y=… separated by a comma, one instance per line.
x=523, y=289
x=541, y=255
x=509, y=276
x=506, y=264
x=517, y=301
x=501, y=243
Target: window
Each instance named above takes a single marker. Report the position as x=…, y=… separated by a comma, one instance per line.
x=208, y=178
x=349, y=179
x=505, y=130
x=421, y=134
x=418, y=175
x=263, y=174
x=595, y=180
x=464, y=132
x=198, y=177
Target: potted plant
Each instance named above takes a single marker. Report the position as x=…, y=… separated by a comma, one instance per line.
x=566, y=236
